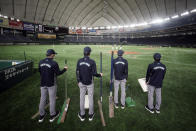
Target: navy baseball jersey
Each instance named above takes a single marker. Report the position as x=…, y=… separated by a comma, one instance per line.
x=49, y=69
x=155, y=74
x=86, y=69
x=120, y=68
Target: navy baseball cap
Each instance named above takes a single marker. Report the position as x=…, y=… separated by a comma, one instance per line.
x=87, y=50
x=157, y=56
x=50, y=52
x=120, y=52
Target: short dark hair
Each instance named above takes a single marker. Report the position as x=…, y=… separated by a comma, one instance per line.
x=120, y=52
x=157, y=60
x=50, y=52
x=86, y=53
x=157, y=56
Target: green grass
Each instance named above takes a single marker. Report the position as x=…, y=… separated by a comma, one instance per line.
x=178, y=110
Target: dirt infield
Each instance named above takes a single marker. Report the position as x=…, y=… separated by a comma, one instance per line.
x=127, y=53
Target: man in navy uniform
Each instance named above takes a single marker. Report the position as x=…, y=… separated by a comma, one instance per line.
x=154, y=79
x=85, y=71
x=120, y=74
x=49, y=70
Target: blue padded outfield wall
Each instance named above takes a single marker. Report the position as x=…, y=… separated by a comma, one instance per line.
x=12, y=72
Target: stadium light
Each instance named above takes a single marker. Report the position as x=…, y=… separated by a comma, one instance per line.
x=142, y=24
x=90, y=28
x=96, y=28
x=132, y=25
x=0, y=15
x=83, y=28
x=120, y=26
x=12, y=18
x=167, y=19
x=175, y=16
x=108, y=27
x=18, y=20
x=125, y=26
x=56, y=28
x=157, y=21
x=5, y=16
x=102, y=27
x=192, y=11
x=113, y=27
x=185, y=13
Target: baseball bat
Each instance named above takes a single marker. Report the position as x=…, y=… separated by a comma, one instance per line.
x=111, y=102
x=100, y=101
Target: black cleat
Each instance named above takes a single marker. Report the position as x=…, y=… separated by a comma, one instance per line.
x=116, y=105
x=122, y=106
x=91, y=117
x=41, y=118
x=148, y=109
x=82, y=117
x=157, y=111
x=52, y=118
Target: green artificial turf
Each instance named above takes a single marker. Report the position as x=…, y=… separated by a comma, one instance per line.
x=178, y=110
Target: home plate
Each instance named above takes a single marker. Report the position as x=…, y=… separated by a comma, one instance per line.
x=142, y=82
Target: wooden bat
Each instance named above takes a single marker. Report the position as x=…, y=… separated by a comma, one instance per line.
x=111, y=107
x=65, y=110
x=101, y=113
x=100, y=101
